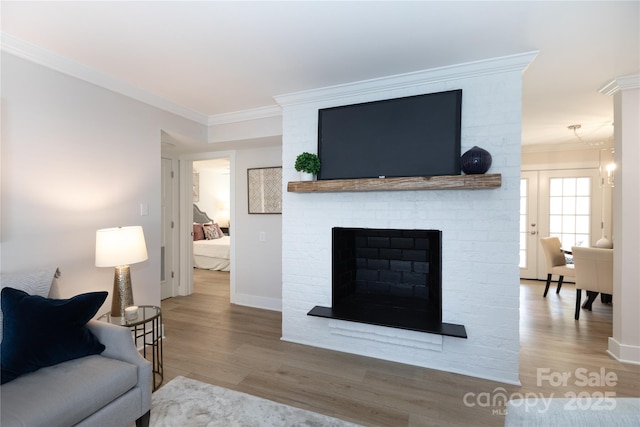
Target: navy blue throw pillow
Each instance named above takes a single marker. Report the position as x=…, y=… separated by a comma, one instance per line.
x=39, y=332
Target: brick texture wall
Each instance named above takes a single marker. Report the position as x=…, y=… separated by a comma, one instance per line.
x=480, y=275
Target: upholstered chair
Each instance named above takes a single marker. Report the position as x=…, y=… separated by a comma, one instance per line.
x=556, y=262
x=594, y=272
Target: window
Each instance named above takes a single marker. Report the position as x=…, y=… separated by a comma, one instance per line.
x=569, y=210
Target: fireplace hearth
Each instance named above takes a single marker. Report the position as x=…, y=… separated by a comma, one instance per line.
x=388, y=277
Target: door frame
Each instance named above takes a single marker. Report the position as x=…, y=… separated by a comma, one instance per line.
x=172, y=249
x=185, y=239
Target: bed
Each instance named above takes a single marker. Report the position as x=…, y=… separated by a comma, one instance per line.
x=209, y=253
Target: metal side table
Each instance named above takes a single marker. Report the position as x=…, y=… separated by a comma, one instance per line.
x=147, y=330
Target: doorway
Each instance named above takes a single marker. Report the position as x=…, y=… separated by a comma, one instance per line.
x=218, y=208
x=562, y=203
x=212, y=189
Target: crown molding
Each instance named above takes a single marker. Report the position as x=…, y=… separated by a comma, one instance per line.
x=245, y=115
x=565, y=146
x=46, y=58
x=621, y=83
x=518, y=62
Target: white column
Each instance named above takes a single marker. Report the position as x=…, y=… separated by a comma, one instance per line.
x=624, y=345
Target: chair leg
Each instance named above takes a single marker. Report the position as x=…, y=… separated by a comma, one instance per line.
x=591, y=297
x=578, y=296
x=559, y=284
x=546, y=288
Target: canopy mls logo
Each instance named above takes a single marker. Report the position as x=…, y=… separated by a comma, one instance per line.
x=575, y=401
x=581, y=377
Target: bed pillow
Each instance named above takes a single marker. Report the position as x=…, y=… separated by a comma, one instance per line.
x=40, y=332
x=209, y=231
x=198, y=232
x=212, y=231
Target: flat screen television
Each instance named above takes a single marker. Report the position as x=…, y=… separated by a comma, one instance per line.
x=401, y=137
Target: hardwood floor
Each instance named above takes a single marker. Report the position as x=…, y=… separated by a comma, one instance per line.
x=210, y=340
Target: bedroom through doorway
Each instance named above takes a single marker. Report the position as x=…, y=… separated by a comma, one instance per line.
x=211, y=215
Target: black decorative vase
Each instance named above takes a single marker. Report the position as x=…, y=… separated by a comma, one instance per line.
x=475, y=161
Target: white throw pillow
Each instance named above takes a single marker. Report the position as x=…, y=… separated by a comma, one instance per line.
x=37, y=282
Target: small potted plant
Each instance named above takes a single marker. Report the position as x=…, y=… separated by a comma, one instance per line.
x=308, y=165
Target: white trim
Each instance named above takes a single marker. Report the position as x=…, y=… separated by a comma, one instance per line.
x=41, y=56
x=621, y=83
x=186, y=218
x=565, y=146
x=185, y=245
x=624, y=353
x=264, y=303
x=46, y=58
x=245, y=115
x=518, y=62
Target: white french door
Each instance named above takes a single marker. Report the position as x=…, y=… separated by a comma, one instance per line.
x=529, y=225
x=561, y=203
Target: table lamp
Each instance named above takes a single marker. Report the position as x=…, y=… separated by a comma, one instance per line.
x=119, y=247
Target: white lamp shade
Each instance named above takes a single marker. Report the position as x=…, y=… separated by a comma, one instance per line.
x=120, y=246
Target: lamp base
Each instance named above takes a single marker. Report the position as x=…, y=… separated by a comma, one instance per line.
x=122, y=294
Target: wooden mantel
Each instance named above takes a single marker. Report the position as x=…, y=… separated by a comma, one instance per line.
x=449, y=182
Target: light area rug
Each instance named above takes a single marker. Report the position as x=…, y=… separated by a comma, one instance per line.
x=184, y=402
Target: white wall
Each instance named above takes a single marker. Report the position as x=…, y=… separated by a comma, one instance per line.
x=214, y=194
x=624, y=345
x=76, y=158
x=258, y=265
x=480, y=227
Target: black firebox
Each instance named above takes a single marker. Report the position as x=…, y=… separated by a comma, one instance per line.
x=388, y=277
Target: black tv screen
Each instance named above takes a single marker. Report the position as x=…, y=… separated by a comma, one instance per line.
x=411, y=136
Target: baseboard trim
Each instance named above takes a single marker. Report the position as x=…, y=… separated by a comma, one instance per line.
x=624, y=353
x=265, y=303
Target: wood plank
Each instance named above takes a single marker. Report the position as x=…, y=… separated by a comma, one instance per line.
x=211, y=340
x=449, y=182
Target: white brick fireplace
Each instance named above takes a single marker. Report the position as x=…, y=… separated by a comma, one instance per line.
x=480, y=275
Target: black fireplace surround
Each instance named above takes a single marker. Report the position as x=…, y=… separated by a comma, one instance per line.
x=388, y=277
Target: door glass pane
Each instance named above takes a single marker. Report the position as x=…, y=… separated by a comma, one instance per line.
x=569, y=210
x=555, y=187
x=568, y=224
x=582, y=205
x=583, y=187
x=568, y=186
x=582, y=224
x=555, y=205
x=555, y=224
x=582, y=240
x=568, y=205
x=523, y=223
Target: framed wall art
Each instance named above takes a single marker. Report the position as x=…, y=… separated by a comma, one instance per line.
x=196, y=187
x=265, y=190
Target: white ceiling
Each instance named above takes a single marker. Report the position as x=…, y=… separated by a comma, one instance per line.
x=216, y=57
